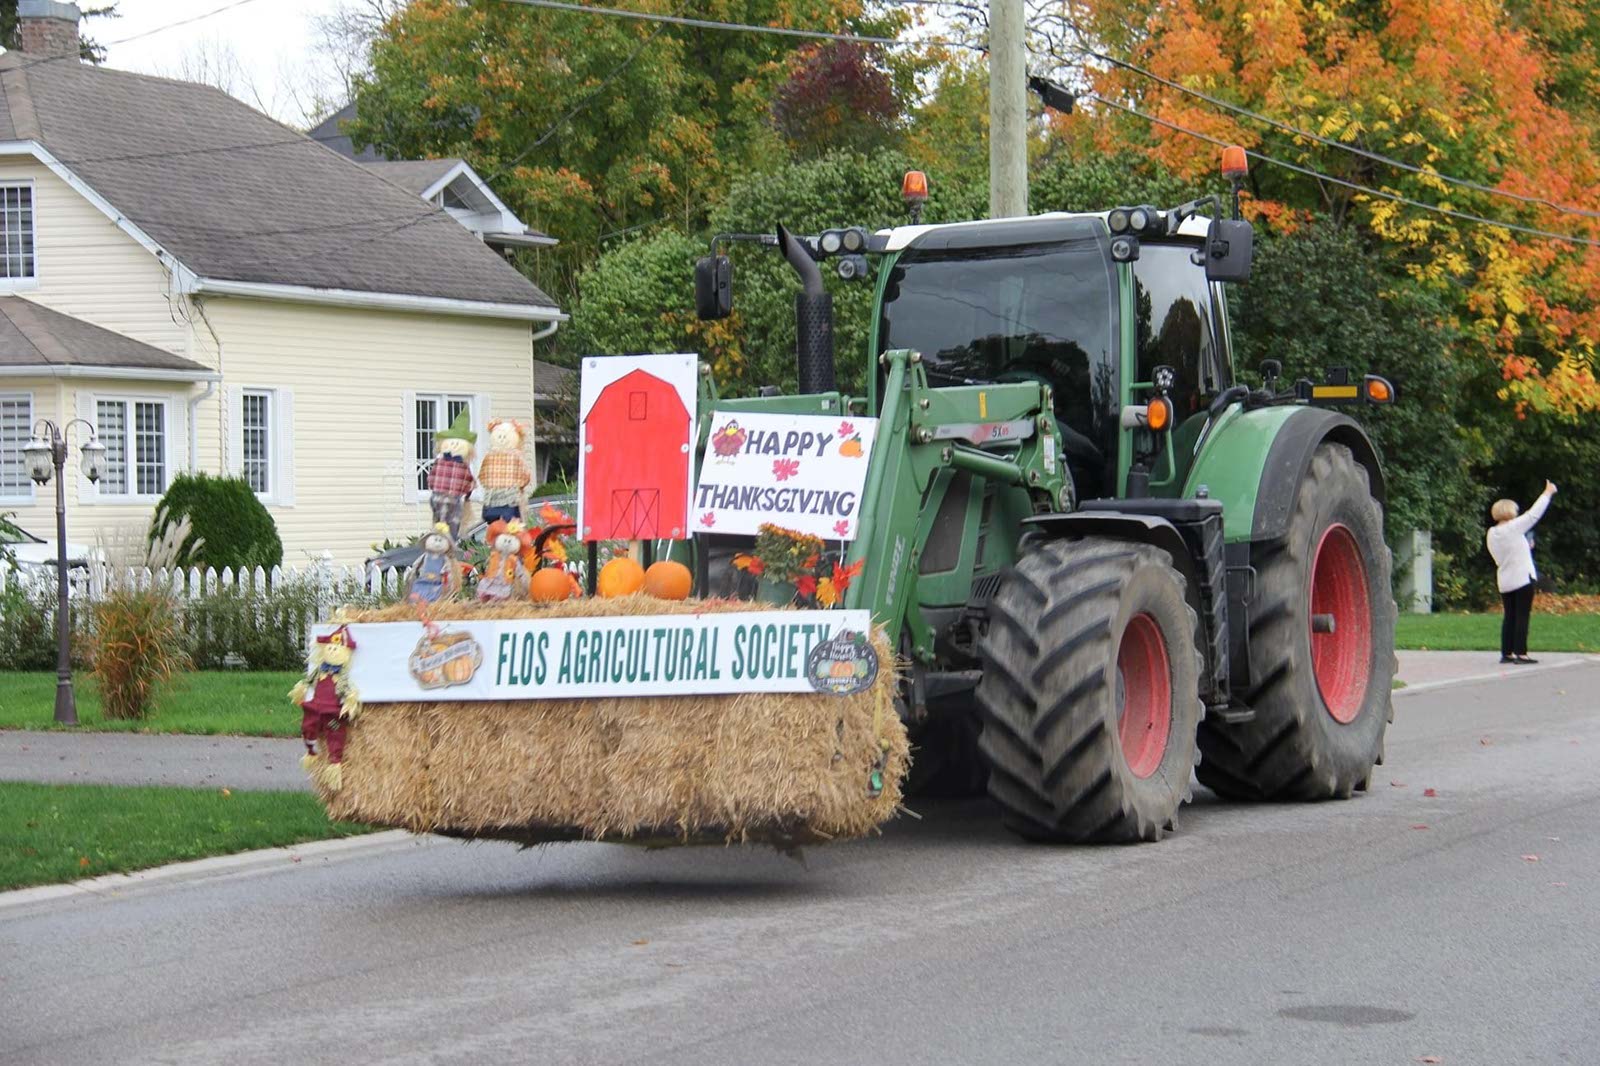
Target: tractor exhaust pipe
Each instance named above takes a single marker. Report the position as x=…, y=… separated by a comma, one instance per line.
x=813, y=318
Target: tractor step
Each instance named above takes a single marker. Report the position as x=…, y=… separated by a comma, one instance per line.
x=1236, y=714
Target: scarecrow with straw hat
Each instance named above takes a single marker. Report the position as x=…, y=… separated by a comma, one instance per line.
x=328, y=702
x=450, y=479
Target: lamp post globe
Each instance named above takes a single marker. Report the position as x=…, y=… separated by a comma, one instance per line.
x=93, y=461
x=40, y=457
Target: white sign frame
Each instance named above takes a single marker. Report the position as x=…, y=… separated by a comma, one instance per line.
x=522, y=658
x=817, y=491
x=681, y=370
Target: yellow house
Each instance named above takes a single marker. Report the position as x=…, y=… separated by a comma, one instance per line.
x=212, y=291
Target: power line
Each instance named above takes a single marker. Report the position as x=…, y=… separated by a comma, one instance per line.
x=1357, y=187
x=710, y=24
x=140, y=36
x=1375, y=157
x=581, y=104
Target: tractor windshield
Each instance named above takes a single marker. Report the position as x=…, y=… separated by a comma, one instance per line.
x=1045, y=312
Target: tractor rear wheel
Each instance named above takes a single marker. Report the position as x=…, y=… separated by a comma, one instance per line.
x=1090, y=692
x=1321, y=649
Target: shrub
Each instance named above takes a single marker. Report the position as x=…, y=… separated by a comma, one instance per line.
x=138, y=648
x=231, y=527
x=28, y=626
x=264, y=627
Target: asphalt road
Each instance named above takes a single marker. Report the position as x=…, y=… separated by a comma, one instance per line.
x=1388, y=929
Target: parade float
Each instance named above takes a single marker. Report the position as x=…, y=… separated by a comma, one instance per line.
x=542, y=696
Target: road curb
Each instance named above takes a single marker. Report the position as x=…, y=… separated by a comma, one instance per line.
x=216, y=866
x=1499, y=675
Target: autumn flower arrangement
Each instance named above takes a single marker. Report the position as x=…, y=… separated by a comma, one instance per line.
x=785, y=556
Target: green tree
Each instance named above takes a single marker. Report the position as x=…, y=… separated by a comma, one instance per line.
x=229, y=525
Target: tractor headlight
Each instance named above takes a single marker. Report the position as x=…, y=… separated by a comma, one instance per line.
x=1117, y=220
x=853, y=267
x=1138, y=219
x=1124, y=249
x=832, y=240
x=855, y=239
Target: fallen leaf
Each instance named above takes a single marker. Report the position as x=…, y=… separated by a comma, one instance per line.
x=1556, y=839
x=83, y=860
x=1419, y=827
x=1430, y=793
x=294, y=858
x=1397, y=784
x=1530, y=858
x=1430, y=1059
x=640, y=943
x=227, y=792
x=1485, y=741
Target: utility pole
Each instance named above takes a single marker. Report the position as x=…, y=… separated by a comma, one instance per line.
x=1008, y=110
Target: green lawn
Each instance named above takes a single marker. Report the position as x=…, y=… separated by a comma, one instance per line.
x=1481, y=632
x=53, y=833
x=251, y=704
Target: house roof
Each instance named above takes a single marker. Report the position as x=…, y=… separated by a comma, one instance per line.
x=330, y=131
x=237, y=197
x=418, y=175
x=551, y=382
x=34, y=336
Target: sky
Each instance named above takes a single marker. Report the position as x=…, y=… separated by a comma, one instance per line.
x=262, y=46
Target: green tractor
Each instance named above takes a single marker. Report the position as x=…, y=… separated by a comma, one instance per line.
x=1107, y=565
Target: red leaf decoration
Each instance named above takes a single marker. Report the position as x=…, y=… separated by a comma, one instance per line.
x=708, y=519
x=784, y=469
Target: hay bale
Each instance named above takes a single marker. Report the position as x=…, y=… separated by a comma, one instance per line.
x=784, y=768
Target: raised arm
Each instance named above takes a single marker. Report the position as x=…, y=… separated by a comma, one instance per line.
x=1530, y=518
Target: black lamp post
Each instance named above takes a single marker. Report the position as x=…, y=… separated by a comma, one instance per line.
x=46, y=454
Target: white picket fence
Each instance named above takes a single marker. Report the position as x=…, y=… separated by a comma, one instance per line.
x=193, y=583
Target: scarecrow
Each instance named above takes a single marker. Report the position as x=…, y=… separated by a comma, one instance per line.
x=434, y=576
x=503, y=577
x=504, y=472
x=328, y=702
x=450, y=478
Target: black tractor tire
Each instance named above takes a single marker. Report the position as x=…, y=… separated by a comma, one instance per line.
x=945, y=762
x=1322, y=700
x=1090, y=692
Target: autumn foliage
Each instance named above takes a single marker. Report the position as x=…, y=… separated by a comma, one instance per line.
x=1492, y=93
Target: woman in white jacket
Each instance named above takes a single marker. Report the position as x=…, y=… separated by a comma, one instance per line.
x=1512, y=551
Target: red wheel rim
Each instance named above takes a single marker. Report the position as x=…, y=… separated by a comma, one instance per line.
x=1342, y=659
x=1145, y=719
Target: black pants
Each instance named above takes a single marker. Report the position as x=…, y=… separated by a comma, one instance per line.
x=1514, y=626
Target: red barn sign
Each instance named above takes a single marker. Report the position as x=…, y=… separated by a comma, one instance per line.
x=636, y=442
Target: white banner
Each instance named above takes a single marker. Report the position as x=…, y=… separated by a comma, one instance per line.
x=561, y=658
x=801, y=472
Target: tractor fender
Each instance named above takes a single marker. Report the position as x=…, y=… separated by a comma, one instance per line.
x=1255, y=460
x=1118, y=525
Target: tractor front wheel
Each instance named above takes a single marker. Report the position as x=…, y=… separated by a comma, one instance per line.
x=1090, y=692
x=1321, y=649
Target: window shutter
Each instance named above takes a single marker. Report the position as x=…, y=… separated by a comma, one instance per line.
x=87, y=492
x=233, y=462
x=408, y=436
x=283, y=447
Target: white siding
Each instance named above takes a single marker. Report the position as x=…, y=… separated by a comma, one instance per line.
x=350, y=372
x=90, y=269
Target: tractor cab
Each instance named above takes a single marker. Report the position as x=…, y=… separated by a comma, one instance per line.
x=1089, y=304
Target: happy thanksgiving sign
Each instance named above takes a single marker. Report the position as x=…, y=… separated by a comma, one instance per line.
x=801, y=472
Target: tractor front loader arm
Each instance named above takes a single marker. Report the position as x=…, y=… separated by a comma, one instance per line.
x=1003, y=433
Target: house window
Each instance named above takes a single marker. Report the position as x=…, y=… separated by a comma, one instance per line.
x=16, y=231
x=16, y=426
x=435, y=412
x=255, y=429
x=135, y=435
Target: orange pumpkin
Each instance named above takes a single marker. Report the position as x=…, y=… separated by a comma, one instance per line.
x=620, y=577
x=549, y=584
x=668, y=580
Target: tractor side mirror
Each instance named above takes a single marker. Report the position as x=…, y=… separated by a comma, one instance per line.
x=713, y=287
x=1230, y=243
